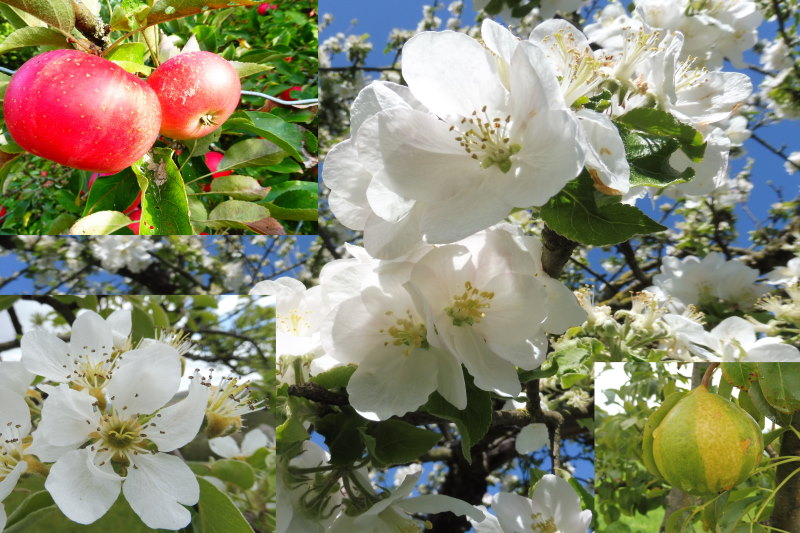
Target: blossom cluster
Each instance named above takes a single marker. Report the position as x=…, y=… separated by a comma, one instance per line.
x=486, y=127
x=108, y=412
x=668, y=320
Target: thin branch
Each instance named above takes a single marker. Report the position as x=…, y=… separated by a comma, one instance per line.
x=12, y=313
x=630, y=258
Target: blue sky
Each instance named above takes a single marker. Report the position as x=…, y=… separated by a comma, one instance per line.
x=378, y=18
x=10, y=264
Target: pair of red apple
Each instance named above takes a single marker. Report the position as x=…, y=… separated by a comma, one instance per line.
x=86, y=112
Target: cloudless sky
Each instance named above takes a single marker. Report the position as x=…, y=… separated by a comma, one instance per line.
x=378, y=18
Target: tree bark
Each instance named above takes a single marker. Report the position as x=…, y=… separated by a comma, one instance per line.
x=786, y=514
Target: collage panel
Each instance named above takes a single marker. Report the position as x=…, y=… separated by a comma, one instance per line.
x=158, y=118
x=691, y=447
x=137, y=413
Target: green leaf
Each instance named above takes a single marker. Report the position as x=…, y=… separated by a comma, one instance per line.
x=164, y=10
x=248, y=69
x=218, y=514
x=271, y=127
x=251, y=153
x=757, y=396
x=165, y=206
x=131, y=52
x=472, y=422
x=57, y=13
x=657, y=122
x=290, y=432
x=342, y=432
x=115, y=193
x=100, y=223
x=129, y=15
x=235, y=213
x=295, y=205
x=237, y=472
x=397, y=442
x=239, y=187
x=33, y=37
x=61, y=224
x=142, y=325
x=7, y=301
x=337, y=377
x=548, y=369
x=34, y=502
x=133, y=68
x=739, y=374
x=780, y=383
x=649, y=159
x=574, y=213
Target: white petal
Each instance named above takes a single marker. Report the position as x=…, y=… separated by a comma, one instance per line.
x=389, y=240
x=146, y=378
x=180, y=422
x=10, y=481
x=489, y=523
x=91, y=337
x=376, y=97
x=120, y=323
x=465, y=211
x=68, y=416
x=15, y=377
x=392, y=383
x=491, y=373
x=558, y=499
x=451, y=73
x=14, y=412
x=224, y=447
x=253, y=440
x=774, y=350
x=450, y=379
x=531, y=438
x=80, y=494
x=46, y=355
x=158, y=487
x=44, y=450
x=513, y=511
x=605, y=157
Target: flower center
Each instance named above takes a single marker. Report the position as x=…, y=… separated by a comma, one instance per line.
x=93, y=372
x=538, y=525
x=406, y=332
x=10, y=450
x=468, y=307
x=579, y=71
x=637, y=46
x=687, y=76
x=486, y=140
x=119, y=437
x=295, y=322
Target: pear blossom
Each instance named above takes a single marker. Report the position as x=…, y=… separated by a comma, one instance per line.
x=15, y=377
x=15, y=425
x=228, y=401
x=392, y=511
x=93, y=353
x=228, y=448
x=98, y=452
x=707, y=281
x=554, y=507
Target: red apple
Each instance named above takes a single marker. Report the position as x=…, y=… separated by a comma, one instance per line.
x=198, y=91
x=287, y=94
x=212, y=160
x=136, y=216
x=264, y=8
x=3, y=211
x=82, y=111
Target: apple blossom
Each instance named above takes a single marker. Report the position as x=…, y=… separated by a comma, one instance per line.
x=554, y=507
x=785, y=275
x=116, y=252
x=531, y=438
x=707, y=281
x=494, y=140
x=733, y=340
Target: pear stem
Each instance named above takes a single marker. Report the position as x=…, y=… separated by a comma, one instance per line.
x=707, y=375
